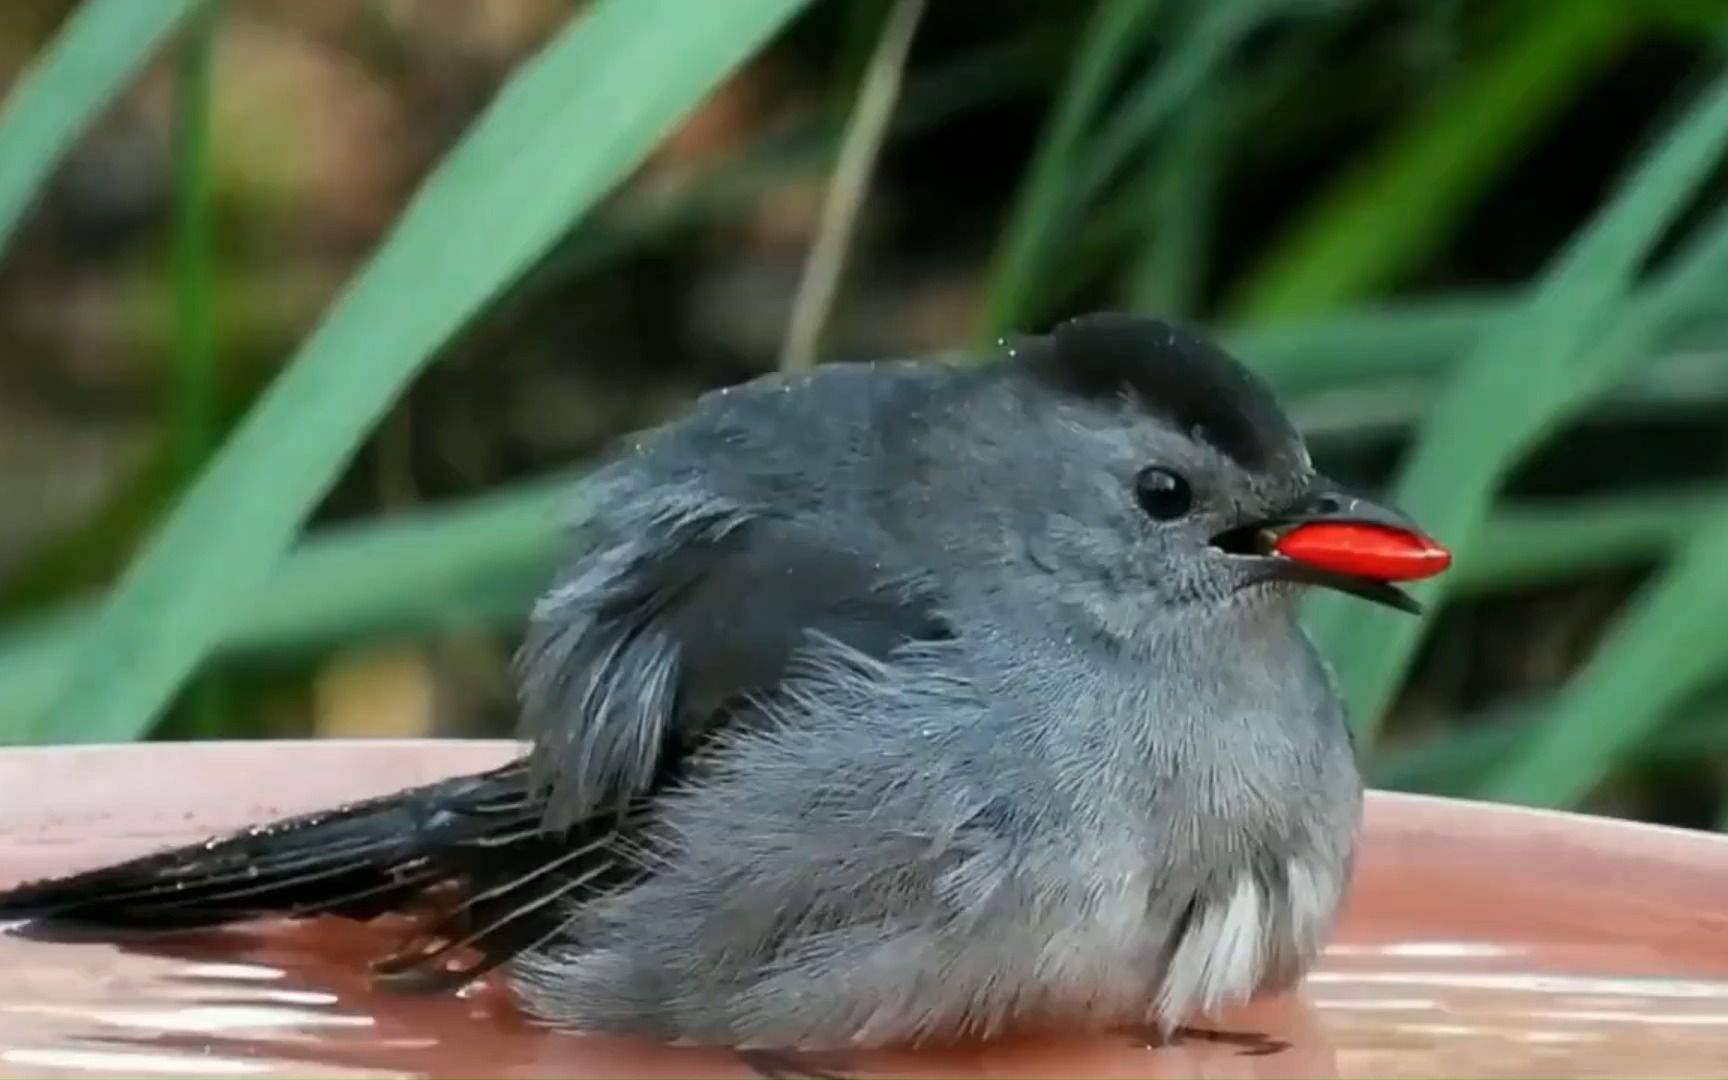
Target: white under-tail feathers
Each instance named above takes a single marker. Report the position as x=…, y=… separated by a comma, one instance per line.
x=1220, y=957
x=1309, y=906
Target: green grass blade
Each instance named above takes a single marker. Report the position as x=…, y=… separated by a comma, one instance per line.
x=193, y=423
x=1217, y=28
x=718, y=192
x=568, y=126
x=102, y=46
x=1343, y=420
x=1670, y=641
x=481, y=561
x=848, y=183
x=1019, y=299
x=1414, y=337
x=1115, y=28
x=1419, y=339
x=194, y=416
x=1657, y=654
x=1179, y=195
x=1365, y=229
x=1532, y=542
x=1521, y=382
x=1454, y=763
x=1705, y=19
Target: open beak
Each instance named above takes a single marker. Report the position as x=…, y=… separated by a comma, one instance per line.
x=1341, y=542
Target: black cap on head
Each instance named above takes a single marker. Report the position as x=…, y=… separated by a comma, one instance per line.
x=1171, y=371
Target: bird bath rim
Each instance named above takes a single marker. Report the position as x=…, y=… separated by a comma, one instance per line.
x=1479, y=939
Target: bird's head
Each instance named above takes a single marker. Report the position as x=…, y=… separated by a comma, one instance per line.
x=1133, y=466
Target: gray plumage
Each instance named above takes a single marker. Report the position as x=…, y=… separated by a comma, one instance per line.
x=874, y=707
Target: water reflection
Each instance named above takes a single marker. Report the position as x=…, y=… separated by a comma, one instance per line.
x=1531, y=983
x=100, y=1063
x=285, y=1000
x=1418, y=1008
x=1444, y=950
x=1471, y=948
x=295, y=1001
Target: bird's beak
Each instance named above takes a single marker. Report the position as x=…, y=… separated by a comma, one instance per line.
x=1342, y=542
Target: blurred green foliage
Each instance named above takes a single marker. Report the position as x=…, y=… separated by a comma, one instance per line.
x=1476, y=243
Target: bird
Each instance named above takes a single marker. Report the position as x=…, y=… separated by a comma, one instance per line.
x=881, y=704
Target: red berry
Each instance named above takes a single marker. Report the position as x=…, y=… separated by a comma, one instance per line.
x=1373, y=551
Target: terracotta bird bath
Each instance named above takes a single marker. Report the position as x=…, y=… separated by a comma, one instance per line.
x=1479, y=941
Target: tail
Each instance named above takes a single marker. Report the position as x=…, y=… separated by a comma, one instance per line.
x=473, y=849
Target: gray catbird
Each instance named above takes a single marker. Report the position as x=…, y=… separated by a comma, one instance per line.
x=886, y=703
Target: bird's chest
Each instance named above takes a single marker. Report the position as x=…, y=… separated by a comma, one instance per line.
x=1211, y=849
x=1197, y=774
x=1157, y=934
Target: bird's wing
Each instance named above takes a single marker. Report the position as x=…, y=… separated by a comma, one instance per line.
x=663, y=626
x=659, y=632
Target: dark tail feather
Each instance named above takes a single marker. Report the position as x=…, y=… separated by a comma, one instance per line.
x=472, y=848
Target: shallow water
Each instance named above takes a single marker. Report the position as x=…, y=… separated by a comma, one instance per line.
x=1478, y=943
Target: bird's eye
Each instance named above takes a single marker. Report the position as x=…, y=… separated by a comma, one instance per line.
x=1162, y=494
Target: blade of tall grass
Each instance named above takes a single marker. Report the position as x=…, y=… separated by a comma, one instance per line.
x=252, y=300
x=1703, y=18
x=1415, y=337
x=1239, y=99
x=660, y=212
x=1017, y=298
x=1361, y=232
x=1531, y=374
x=566, y=127
x=193, y=421
x=1419, y=338
x=1179, y=192
x=1533, y=542
x=1455, y=762
x=860, y=147
x=1308, y=360
x=102, y=46
x=480, y=562
x=1658, y=653
x=476, y=562
x=1212, y=36
x=1343, y=418
x=1115, y=28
